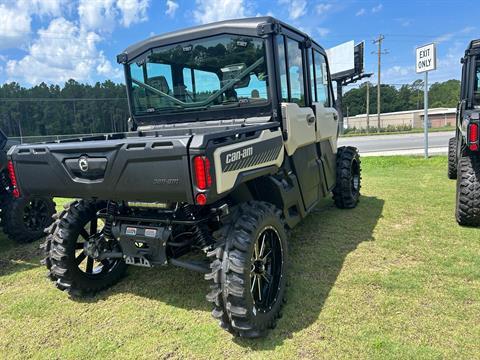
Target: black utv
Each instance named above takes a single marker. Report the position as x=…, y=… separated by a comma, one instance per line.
x=464, y=148
x=23, y=218
x=233, y=142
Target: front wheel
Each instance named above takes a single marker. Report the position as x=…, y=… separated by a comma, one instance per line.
x=346, y=192
x=69, y=247
x=249, y=271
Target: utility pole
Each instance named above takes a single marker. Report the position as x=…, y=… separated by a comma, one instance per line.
x=339, y=105
x=368, y=107
x=379, y=53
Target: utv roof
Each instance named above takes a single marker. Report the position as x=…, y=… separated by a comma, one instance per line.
x=474, y=44
x=473, y=48
x=256, y=26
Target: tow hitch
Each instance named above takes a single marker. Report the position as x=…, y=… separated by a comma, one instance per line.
x=143, y=245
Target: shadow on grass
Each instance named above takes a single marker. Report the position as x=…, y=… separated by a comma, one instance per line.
x=15, y=257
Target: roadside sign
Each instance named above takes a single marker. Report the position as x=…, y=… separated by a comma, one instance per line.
x=426, y=58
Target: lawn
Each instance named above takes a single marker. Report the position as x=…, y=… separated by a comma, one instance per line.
x=394, y=278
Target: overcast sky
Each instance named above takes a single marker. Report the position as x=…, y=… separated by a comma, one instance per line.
x=54, y=40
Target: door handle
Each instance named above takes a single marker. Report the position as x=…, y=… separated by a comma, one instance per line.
x=310, y=119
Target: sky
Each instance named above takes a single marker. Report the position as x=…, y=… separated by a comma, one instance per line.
x=54, y=40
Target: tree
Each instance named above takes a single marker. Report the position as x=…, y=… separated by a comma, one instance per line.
x=407, y=97
x=53, y=110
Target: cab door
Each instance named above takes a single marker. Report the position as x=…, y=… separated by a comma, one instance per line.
x=299, y=121
x=325, y=113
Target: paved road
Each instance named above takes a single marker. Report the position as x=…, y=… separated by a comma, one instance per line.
x=399, y=144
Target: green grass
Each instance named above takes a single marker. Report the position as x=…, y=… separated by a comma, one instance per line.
x=394, y=278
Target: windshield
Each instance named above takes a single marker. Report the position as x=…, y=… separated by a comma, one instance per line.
x=221, y=71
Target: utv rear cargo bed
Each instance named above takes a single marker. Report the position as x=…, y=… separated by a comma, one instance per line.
x=128, y=168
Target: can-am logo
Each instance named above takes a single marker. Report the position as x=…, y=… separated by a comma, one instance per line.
x=83, y=164
x=239, y=155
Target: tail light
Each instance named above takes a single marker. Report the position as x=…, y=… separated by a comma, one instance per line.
x=203, y=178
x=201, y=166
x=201, y=199
x=473, y=142
x=13, y=179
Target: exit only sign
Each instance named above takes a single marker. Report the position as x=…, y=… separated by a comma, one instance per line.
x=426, y=58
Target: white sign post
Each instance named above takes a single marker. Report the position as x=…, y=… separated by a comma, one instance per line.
x=426, y=61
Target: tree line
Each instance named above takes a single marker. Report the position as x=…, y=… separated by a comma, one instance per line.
x=406, y=97
x=79, y=108
x=74, y=108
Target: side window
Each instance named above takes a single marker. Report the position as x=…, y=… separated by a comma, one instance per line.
x=321, y=79
x=282, y=68
x=295, y=72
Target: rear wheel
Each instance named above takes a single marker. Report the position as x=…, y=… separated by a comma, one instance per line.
x=468, y=191
x=346, y=192
x=452, y=158
x=25, y=219
x=68, y=248
x=249, y=270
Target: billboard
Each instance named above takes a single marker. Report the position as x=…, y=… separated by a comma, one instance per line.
x=346, y=59
x=341, y=58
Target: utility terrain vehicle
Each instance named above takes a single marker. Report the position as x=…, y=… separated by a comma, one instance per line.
x=23, y=219
x=464, y=148
x=233, y=142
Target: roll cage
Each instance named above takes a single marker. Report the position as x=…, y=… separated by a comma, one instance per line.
x=469, y=93
x=267, y=28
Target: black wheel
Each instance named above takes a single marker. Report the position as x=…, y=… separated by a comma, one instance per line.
x=68, y=256
x=249, y=270
x=452, y=158
x=346, y=192
x=468, y=191
x=25, y=219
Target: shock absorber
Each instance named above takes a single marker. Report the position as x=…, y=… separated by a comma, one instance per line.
x=111, y=212
x=202, y=237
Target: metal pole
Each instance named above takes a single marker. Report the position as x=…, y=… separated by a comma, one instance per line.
x=339, y=105
x=378, y=84
x=425, y=114
x=368, y=107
